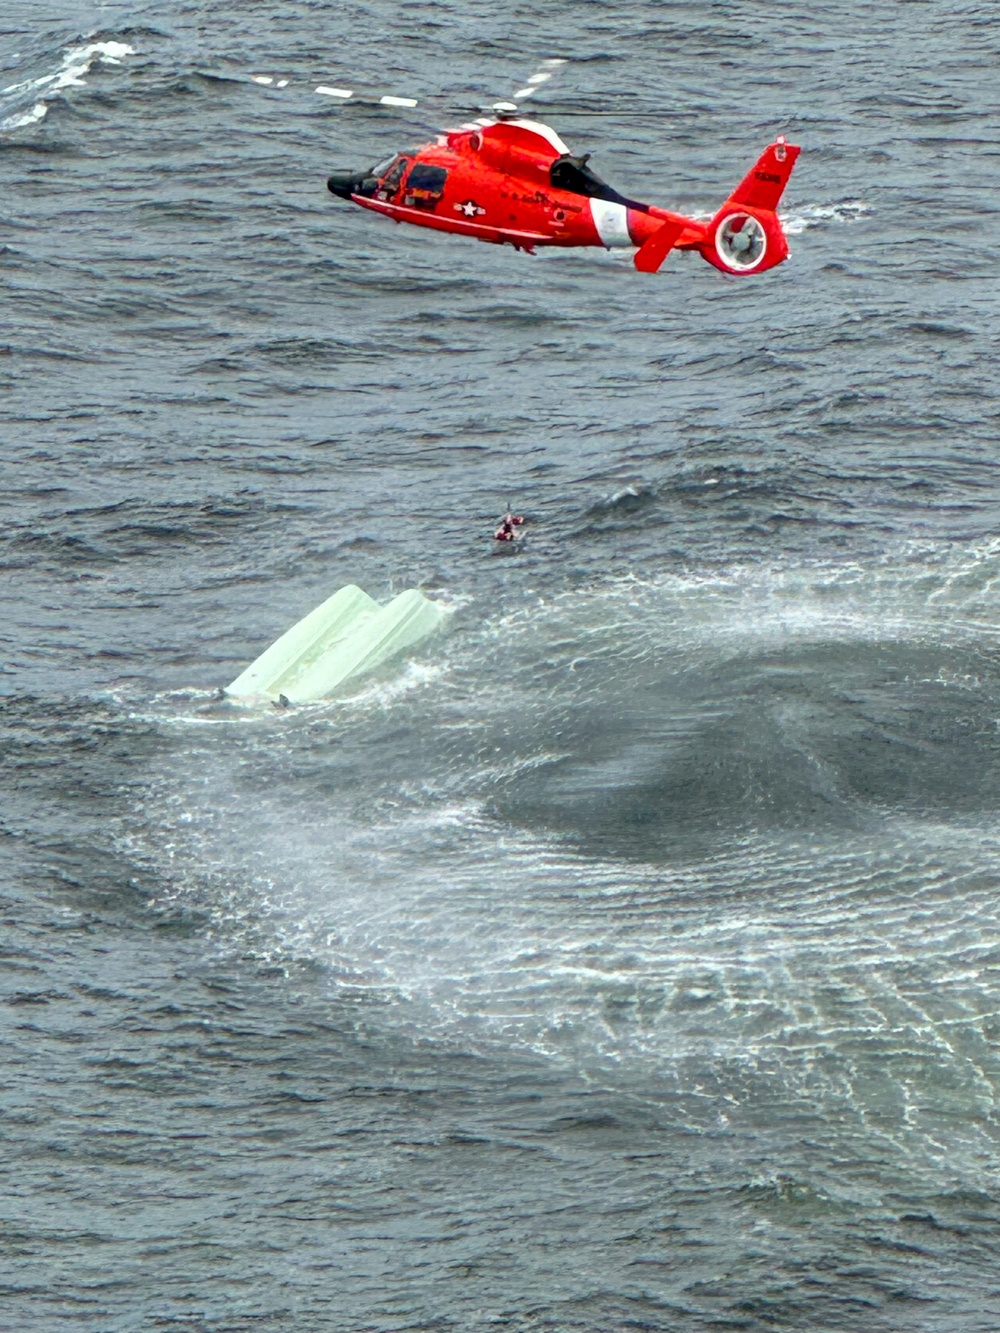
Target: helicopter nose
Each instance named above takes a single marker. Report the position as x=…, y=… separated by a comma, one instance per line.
x=344, y=183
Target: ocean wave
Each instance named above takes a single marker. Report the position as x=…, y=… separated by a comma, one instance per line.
x=825, y=215
x=38, y=92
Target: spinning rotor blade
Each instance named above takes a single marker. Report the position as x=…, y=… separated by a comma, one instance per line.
x=344, y=94
x=535, y=82
x=360, y=97
x=341, y=95
x=541, y=76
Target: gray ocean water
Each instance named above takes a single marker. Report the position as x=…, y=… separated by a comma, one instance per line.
x=630, y=958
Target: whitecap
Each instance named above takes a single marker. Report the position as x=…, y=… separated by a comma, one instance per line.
x=76, y=64
x=824, y=215
x=31, y=117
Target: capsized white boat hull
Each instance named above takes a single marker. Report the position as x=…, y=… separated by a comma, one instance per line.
x=346, y=637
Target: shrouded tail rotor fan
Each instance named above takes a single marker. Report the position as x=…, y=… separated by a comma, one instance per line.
x=741, y=241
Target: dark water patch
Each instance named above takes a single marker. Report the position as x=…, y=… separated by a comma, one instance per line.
x=51, y=353
x=815, y=737
x=133, y=529
x=935, y=330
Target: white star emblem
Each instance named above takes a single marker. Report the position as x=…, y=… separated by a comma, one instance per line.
x=470, y=208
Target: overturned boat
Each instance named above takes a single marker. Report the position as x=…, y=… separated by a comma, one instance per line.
x=345, y=638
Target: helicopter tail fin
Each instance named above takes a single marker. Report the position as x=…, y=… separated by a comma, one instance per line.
x=763, y=186
x=746, y=235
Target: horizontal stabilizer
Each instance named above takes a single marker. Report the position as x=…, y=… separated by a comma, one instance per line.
x=346, y=637
x=651, y=254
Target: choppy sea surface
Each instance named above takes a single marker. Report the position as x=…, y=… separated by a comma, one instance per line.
x=629, y=958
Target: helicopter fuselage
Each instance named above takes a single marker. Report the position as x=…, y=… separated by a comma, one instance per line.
x=515, y=182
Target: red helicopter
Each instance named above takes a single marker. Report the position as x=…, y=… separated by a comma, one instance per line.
x=511, y=180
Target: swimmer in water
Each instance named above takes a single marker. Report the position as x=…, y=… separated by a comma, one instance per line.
x=506, y=532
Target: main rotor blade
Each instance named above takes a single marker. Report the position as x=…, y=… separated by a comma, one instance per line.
x=365, y=99
x=546, y=70
x=399, y=107
x=344, y=94
x=359, y=96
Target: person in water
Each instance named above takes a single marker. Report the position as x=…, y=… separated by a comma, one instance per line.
x=506, y=532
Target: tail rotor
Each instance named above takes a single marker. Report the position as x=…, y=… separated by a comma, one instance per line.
x=741, y=241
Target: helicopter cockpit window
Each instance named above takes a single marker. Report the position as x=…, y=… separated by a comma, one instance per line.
x=425, y=185
x=572, y=174
x=389, y=183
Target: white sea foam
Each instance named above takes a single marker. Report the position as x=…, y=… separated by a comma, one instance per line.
x=26, y=118
x=377, y=841
x=76, y=64
x=825, y=215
